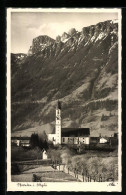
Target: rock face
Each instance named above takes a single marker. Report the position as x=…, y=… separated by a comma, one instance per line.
x=72, y=31
x=65, y=37
x=40, y=43
x=78, y=68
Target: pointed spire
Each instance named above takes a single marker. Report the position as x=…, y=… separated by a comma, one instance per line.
x=59, y=105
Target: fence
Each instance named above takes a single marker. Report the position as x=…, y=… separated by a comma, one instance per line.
x=84, y=176
x=80, y=177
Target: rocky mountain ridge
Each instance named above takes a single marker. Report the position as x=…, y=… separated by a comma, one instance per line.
x=91, y=33
x=78, y=68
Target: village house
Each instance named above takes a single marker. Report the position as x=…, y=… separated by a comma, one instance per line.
x=21, y=141
x=103, y=140
x=44, y=154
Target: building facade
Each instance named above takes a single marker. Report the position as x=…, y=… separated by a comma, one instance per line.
x=68, y=135
x=103, y=140
x=44, y=154
x=58, y=124
x=21, y=141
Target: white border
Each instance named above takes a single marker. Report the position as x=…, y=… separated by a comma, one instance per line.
x=119, y=100
x=58, y=186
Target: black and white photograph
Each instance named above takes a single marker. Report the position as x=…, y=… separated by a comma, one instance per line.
x=64, y=99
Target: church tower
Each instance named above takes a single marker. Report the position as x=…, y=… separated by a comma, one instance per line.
x=58, y=123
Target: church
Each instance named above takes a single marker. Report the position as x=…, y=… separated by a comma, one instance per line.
x=68, y=135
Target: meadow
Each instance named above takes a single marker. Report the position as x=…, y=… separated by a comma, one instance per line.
x=90, y=162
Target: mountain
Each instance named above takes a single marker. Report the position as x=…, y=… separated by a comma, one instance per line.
x=78, y=68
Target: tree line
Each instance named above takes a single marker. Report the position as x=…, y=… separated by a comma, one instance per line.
x=40, y=142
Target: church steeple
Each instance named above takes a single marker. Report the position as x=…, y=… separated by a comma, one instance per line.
x=58, y=123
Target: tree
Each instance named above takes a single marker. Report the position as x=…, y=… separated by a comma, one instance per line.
x=102, y=117
x=34, y=140
x=45, y=144
x=41, y=143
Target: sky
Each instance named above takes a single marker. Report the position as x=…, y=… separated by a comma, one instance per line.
x=27, y=25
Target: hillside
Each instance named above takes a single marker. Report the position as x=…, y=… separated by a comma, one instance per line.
x=78, y=68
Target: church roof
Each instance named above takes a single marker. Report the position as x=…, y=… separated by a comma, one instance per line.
x=75, y=132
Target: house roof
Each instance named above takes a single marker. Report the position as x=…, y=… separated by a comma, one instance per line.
x=107, y=138
x=75, y=132
x=20, y=138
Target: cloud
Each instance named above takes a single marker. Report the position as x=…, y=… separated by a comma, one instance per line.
x=51, y=29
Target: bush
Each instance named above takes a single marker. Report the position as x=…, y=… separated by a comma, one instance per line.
x=54, y=154
x=94, y=165
x=89, y=164
x=20, y=154
x=15, y=169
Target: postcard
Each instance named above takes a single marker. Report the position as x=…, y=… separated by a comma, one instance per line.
x=64, y=99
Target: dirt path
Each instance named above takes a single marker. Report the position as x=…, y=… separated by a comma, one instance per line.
x=45, y=173
x=40, y=169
